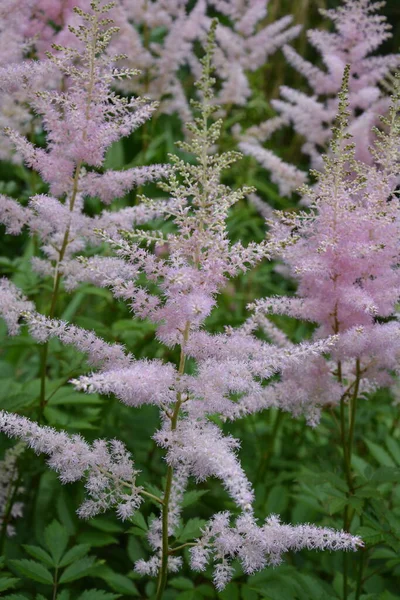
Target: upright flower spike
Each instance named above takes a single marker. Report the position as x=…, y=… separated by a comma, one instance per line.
x=81, y=122
x=359, y=32
x=174, y=280
x=345, y=259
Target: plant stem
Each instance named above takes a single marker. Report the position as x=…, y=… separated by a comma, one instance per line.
x=360, y=573
x=152, y=497
x=163, y=574
x=265, y=460
x=347, y=448
x=66, y=239
x=55, y=584
x=54, y=294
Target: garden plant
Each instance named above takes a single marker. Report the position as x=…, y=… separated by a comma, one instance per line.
x=200, y=337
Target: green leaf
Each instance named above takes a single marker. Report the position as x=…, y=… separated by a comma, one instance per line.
x=119, y=583
x=16, y=402
x=75, y=553
x=64, y=595
x=77, y=570
x=106, y=525
x=205, y=591
x=32, y=570
x=380, y=455
x=181, y=583
x=56, y=540
x=369, y=535
x=248, y=594
x=98, y=595
x=385, y=475
x=231, y=592
x=191, y=530
x=16, y=597
x=139, y=520
x=394, y=448
x=336, y=505
x=40, y=554
x=192, y=497
x=97, y=538
x=7, y=582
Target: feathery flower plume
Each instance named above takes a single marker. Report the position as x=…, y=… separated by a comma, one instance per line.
x=345, y=259
x=80, y=123
x=359, y=32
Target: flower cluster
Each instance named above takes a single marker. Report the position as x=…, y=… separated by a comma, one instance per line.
x=81, y=122
x=345, y=256
x=359, y=32
x=108, y=470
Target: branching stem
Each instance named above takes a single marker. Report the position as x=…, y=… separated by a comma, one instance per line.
x=162, y=578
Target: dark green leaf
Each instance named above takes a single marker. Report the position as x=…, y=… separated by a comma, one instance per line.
x=75, y=553
x=56, y=540
x=77, y=570
x=191, y=530
x=32, y=570
x=40, y=554
x=7, y=582
x=181, y=583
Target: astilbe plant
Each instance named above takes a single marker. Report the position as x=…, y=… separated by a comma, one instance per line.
x=345, y=259
x=174, y=280
x=359, y=31
x=81, y=123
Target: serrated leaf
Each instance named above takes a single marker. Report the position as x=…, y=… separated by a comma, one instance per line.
x=192, y=497
x=369, y=535
x=191, y=530
x=75, y=553
x=119, y=583
x=77, y=570
x=139, y=520
x=32, y=570
x=16, y=402
x=380, y=454
x=7, y=583
x=40, y=554
x=64, y=595
x=385, y=475
x=336, y=505
x=56, y=539
x=394, y=448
